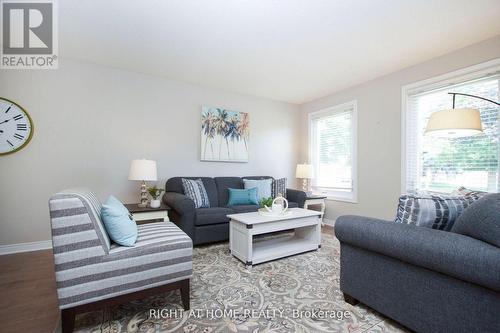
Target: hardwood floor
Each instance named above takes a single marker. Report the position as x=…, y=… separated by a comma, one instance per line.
x=28, y=301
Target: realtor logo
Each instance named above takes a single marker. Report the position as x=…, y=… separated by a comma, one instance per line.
x=29, y=35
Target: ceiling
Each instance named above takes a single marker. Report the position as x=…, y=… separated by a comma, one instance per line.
x=293, y=50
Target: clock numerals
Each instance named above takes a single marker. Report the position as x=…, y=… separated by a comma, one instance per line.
x=16, y=127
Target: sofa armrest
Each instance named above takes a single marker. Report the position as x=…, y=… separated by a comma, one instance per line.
x=297, y=196
x=453, y=254
x=179, y=202
x=182, y=213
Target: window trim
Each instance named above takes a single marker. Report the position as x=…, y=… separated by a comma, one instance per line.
x=351, y=197
x=437, y=82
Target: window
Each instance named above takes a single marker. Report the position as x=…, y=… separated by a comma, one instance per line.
x=332, y=139
x=443, y=164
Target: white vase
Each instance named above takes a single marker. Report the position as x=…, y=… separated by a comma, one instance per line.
x=155, y=203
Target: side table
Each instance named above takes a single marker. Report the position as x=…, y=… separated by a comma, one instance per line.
x=315, y=202
x=143, y=215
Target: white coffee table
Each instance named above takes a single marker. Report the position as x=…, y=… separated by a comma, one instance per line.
x=307, y=235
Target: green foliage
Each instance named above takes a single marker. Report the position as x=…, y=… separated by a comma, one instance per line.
x=155, y=192
x=464, y=154
x=335, y=148
x=266, y=202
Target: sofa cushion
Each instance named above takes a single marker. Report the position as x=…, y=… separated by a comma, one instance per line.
x=263, y=187
x=278, y=186
x=174, y=184
x=481, y=220
x=223, y=183
x=244, y=208
x=242, y=197
x=292, y=204
x=213, y=215
x=432, y=211
x=195, y=190
x=118, y=222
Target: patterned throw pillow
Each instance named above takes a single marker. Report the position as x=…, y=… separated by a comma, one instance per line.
x=462, y=191
x=278, y=186
x=434, y=211
x=195, y=190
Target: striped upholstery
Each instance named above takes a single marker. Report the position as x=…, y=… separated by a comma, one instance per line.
x=89, y=270
x=76, y=217
x=278, y=186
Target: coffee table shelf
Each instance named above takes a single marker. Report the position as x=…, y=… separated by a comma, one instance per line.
x=281, y=247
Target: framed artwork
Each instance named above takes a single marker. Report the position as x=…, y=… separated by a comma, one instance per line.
x=225, y=135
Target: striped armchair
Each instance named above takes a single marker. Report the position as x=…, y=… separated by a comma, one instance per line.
x=92, y=272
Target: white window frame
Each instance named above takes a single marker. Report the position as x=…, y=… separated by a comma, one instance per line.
x=438, y=82
x=343, y=196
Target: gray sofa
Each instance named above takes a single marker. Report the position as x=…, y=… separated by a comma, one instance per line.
x=205, y=225
x=428, y=280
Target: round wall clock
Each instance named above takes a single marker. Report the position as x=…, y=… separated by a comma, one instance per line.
x=16, y=127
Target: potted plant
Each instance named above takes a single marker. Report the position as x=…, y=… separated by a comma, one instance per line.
x=155, y=193
x=266, y=202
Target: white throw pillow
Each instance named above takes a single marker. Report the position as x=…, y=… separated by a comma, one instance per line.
x=263, y=187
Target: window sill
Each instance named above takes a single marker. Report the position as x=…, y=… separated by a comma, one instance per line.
x=332, y=197
x=347, y=200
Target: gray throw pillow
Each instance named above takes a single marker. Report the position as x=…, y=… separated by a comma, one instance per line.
x=433, y=211
x=481, y=220
x=195, y=190
x=278, y=186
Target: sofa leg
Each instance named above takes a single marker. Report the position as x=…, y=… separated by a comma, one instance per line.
x=351, y=300
x=67, y=320
x=185, y=291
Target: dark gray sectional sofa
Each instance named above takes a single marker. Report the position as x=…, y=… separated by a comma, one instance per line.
x=428, y=280
x=205, y=225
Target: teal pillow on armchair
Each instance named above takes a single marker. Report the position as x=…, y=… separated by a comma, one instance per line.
x=242, y=197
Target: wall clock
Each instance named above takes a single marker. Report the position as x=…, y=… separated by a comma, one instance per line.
x=16, y=127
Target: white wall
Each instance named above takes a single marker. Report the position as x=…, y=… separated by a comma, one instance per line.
x=91, y=121
x=379, y=128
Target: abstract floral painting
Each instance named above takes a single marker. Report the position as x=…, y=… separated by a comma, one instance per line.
x=225, y=135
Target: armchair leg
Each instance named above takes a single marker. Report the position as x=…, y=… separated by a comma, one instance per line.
x=185, y=291
x=67, y=320
x=351, y=300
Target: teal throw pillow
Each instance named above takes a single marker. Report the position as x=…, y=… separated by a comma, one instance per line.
x=118, y=222
x=242, y=197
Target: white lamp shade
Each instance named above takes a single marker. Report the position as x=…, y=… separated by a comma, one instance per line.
x=454, y=123
x=143, y=170
x=304, y=171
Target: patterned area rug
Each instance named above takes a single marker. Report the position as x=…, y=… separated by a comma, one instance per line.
x=285, y=295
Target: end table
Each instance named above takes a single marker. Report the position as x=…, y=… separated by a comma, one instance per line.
x=315, y=202
x=143, y=215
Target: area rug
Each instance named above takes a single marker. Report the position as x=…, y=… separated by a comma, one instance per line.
x=294, y=294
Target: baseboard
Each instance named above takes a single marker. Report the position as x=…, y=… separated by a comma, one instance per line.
x=329, y=222
x=25, y=247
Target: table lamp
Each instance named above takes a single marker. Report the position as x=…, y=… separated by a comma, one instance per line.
x=306, y=172
x=143, y=170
